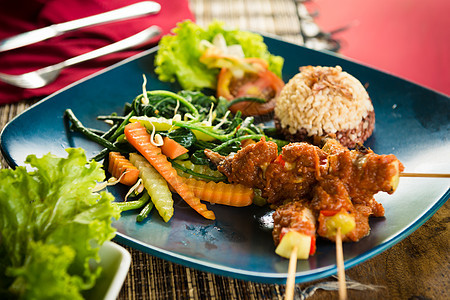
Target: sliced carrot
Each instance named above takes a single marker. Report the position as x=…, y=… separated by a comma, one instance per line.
x=138, y=137
x=172, y=149
x=119, y=164
x=221, y=193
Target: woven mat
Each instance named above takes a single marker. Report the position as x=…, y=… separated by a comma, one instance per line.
x=273, y=17
x=153, y=278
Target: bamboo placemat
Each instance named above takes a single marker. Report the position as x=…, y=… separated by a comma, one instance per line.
x=273, y=17
x=154, y=278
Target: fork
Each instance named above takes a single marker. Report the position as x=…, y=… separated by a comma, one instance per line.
x=44, y=76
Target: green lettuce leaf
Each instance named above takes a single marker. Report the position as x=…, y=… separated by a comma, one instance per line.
x=51, y=263
x=178, y=54
x=51, y=222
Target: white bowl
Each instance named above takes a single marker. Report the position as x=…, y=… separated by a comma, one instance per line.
x=115, y=262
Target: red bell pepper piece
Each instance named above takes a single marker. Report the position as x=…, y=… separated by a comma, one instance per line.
x=279, y=160
x=313, y=248
x=329, y=213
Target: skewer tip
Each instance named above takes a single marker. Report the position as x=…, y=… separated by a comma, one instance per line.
x=340, y=266
x=433, y=175
x=290, y=282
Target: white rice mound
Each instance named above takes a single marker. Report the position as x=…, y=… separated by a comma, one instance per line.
x=322, y=100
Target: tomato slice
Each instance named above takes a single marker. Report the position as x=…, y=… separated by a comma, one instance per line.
x=329, y=213
x=260, y=85
x=313, y=248
x=279, y=160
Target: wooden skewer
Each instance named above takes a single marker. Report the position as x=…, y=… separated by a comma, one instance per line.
x=424, y=175
x=340, y=266
x=290, y=282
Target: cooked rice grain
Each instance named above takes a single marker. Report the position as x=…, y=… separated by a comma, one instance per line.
x=323, y=100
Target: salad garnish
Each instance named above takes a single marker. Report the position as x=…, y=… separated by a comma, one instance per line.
x=52, y=225
x=234, y=63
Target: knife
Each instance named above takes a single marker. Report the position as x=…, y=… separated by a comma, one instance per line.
x=34, y=36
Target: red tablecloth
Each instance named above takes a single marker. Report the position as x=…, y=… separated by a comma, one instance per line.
x=408, y=38
x=23, y=15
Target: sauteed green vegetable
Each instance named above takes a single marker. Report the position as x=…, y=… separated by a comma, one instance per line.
x=193, y=119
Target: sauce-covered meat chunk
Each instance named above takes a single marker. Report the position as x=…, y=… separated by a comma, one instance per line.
x=335, y=184
x=249, y=165
x=294, y=173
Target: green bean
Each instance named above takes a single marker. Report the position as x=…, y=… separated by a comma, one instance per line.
x=78, y=126
x=242, y=99
x=196, y=174
x=237, y=139
x=280, y=143
x=177, y=97
x=111, y=118
x=121, y=127
x=96, y=131
x=202, y=128
x=183, y=156
x=270, y=130
x=121, y=139
x=101, y=155
x=145, y=212
x=110, y=132
x=131, y=205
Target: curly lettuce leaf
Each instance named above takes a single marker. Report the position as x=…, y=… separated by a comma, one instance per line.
x=51, y=263
x=50, y=216
x=178, y=54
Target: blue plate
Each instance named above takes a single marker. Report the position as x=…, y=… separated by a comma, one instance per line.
x=412, y=122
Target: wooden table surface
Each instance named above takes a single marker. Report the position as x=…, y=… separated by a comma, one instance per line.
x=416, y=268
